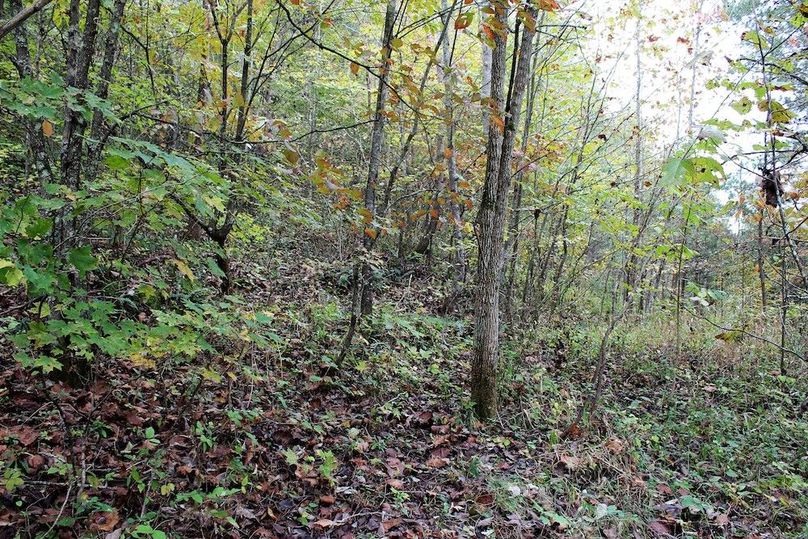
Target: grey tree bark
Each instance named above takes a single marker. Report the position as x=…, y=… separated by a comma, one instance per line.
x=492, y=212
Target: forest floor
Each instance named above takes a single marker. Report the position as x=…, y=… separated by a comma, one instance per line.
x=275, y=442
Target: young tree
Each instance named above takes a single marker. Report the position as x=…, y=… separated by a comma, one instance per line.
x=504, y=117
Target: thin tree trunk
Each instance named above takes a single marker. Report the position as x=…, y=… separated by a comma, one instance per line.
x=492, y=211
x=459, y=254
x=104, y=81
x=362, y=296
x=631, y=263
x=485, y=85
x=761, y=270
x=375, y=156
x=80, y=51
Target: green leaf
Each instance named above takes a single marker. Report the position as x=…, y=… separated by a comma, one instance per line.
x=82, y=260
x=707, y=170
x=10, y=274
x=290, y=456
x=743, y=105
x=676, y=170
x=756, y=39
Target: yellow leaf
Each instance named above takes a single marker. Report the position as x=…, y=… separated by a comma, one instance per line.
x=366, y=215
x=354, y=68
x=292, y=157
x=47, y=128
x=183, y=268
x=141, y=360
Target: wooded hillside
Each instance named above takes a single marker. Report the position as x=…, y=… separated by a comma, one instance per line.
x=408, y=268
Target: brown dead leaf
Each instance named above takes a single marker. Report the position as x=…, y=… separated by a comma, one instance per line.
x=615, y=445
x=437, y=462
x=104, y=521
x=485, y=499
x=573, y=432
x=47, y=128
x=440, y=440
x=134, y=418
x=395, y=483
x=35, y=462
x=395, y=467
x=659, y=528
x=664, y=489
x=325, y=523
x=327, y=499
x=390, y=524
x=25, y=434
x=423, y=419
x=722, y=519
x=570, y=462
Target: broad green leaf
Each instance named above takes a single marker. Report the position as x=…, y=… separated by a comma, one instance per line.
x=82, y=260
x=10, y=274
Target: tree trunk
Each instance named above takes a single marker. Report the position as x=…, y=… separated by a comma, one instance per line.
x=459, y=255
x=761, y=270
x=375, y=157
x=491, y=215
x=485, y=85
x=631, y=263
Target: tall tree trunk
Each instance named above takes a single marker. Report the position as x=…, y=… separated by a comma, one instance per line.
x=631, y=263
x=375, y=156
x=485, y=85
x=104, y=81
x=459, y=254
x=362, y=294
x=416, y=123
x=37, y=157
x=492, y=211
x=512, y=244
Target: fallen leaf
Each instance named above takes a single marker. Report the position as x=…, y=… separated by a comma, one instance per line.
x=390, y=524
x=25, y=434
x=35, y=462
x=570, y=462
x=615, y=445
x=721, y=519
x=325, y=523
x=395, y=467
x=659, y=528
x=485, y=499
x=104, y=521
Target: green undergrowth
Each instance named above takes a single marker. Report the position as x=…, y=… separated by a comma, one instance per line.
x=239, y=420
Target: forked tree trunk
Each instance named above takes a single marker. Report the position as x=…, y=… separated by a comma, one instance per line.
x=491, y=215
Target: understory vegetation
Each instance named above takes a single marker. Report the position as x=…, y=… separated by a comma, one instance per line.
x=362, y=269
